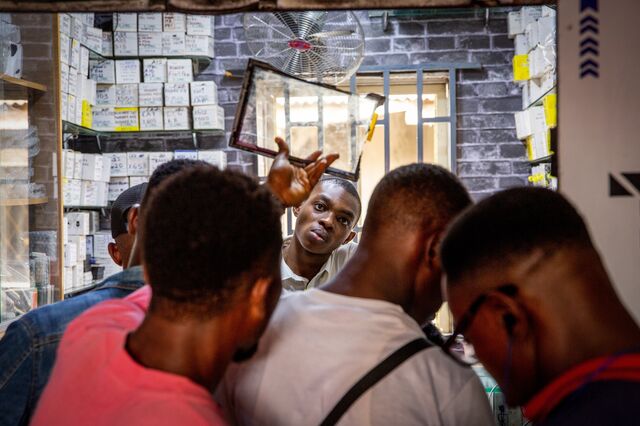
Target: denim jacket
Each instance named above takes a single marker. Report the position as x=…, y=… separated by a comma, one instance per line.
x=28, y=349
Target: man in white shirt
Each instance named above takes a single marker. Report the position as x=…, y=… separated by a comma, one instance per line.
x=322, y=241
x=319, y=343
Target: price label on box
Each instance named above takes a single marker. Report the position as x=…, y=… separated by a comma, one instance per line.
x=155, y=70
x=150, y=94
x=158, y=158
x=204, y=93
x=176, y=118
x=125, y=43
x=208, y=117
x=127, y=71
x=150, y=44
x=176, y=94
x=102, y=71
x=174, y=22
x=138, y=163
x=126, y=119
x=150, y=22
x=179, y=71
x=173, y=44
x=118, y=164
x=127, y=95
x=151, y=118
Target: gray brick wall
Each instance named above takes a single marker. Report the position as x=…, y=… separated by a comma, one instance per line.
x=490, y=157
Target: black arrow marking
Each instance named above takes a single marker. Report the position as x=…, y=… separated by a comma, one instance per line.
x=590, y=28
x=589, y=18
x=589, y=50
x=589, y=41
x=589, y=62
x=590, y=71
x=615, y=189
x=589, y=4
x=633, y=178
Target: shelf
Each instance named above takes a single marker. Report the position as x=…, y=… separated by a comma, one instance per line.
x=538, y=101
x=24, y=201
x=546, y=159
x=24, y=83
x=201, y=61
x=76, y=291
x=75, y=129
x=85, y=207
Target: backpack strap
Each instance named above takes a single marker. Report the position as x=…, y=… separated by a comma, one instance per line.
x=374, y=375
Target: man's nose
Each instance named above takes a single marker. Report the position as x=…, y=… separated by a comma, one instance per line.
x=328, y=221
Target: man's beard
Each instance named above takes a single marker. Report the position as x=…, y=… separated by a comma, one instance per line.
x=242, y=355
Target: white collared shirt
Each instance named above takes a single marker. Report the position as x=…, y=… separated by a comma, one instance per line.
x=293, y=282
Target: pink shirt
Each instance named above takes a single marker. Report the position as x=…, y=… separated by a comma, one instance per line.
x=95, y=381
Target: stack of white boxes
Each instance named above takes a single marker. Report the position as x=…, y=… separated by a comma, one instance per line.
x=78, y=92
x=78, y=239
x=533, y=29
x=86, y=179
x=152, y=93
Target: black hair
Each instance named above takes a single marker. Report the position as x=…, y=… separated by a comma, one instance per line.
x=167, y=169
x=413, y=196
x=202, y=243
x=509, y=224
x=347, y=186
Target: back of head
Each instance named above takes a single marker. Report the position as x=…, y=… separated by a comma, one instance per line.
x=168, y=169
x=508, y=225
x=202, y=244
x=415, y=196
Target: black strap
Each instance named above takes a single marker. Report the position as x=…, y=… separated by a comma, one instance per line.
x=376, y=374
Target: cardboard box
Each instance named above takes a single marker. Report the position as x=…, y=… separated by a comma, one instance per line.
x=77, y=29
x=126, y=119
x=86, y=119
x=104, y=119
x=101, y=242
x=65, y=49
x=106, y=169
x=158, y=158
x=64, y=23
x=125, y=43
x=118, y=163
x=72, y=82
x=126, y=95
x=176, y=94
x=89, y=195
x=78, y=223
x=89, y=239
x=84, y=61
x=68, y=279
x=102, y=71
x=93, y=39
x=530, y=14
x=174, y=22
x=204, y=93
x=79, y=111
x=199, y=45
x=70, y=254
x=137, y=180
x=72, y=189
x=514, y=24
x=64, y=106
x=217, y=158
x=151, y=118
x=548, y=11
x=150, y=95
x=173, y=44
x=89, y=89
x=531, y=31
x=71, y=108
x=150, y=44
x=138, y=163
x=125, y=22
x=68, y=161
x=179, y=70
x=523, y=125
x=78, y=160
x=80, y=241
x=117, y=185
x=107, y=43
x=102, y=189
x=208, y=117
x=128, y=71
x=199, y=25
x=106, y=94
x=64, y=78
x=521, y=44
x=92, y=165
x=185, y=154
x=546, y=30
x=154, y=70
x=75, y=54
x=150, y=22
x=177, y=118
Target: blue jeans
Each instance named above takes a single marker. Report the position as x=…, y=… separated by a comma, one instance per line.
x=28, y=349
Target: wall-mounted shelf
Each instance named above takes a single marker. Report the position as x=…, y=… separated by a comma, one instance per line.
x=23, y=201
x=85, y=207
x=24, y=83
x=538, y=101
x=75, y=129
x=546, y=159
x=77, y=291
x=202, y=62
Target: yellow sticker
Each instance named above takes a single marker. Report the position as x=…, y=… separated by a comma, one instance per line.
x=126, y=119
x=521, y=67
x=87, y=116
x=550, y=104
x=530, y=147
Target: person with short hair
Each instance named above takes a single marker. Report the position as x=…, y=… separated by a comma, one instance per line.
x=322, y=241
x=320, y=342
x=214, y=280
x=123, y=210
x=529, y=290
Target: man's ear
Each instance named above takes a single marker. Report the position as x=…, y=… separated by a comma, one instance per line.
x=432, y=250
x=259, y=300
x=296, y=211
x=115, y=253
x=350, y=237
x=132, y=220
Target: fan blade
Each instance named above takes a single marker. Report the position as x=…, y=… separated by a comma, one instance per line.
x=326, y=34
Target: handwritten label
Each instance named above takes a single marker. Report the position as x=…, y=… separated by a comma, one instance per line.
x=106, y=94
x=125, y=22
x=176, y=118
x=149, y=44
x=150, y=22
x=64, y=23
x=102, y=71
x=93, y=39
x=179, y=71
x=64, y=78
x=104, y=119
x=151, y=118
x=208, y=117
x=158, y=158
x=107, y=43
x=217, y=158
x=176, y=94
x=197, y=45
x=65, y=49
x=125, y=43
x=72, y=83
x=126, y=120
x=77, y=29
x=71, y=108
x=128, y=71
x=174, y=22
x=64, y=106
x=155, y=70
x=84, y=61
x=118, y=164
x=89, y=195
x=138, y=163
x=184, y=154
x=173, y=44
x=199, y=25
x=75, y=54
x=126, y=95
x=117, y=185
x=204, y=93
x=150, y=94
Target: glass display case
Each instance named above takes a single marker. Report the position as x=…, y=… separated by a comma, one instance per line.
x=30, y=218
